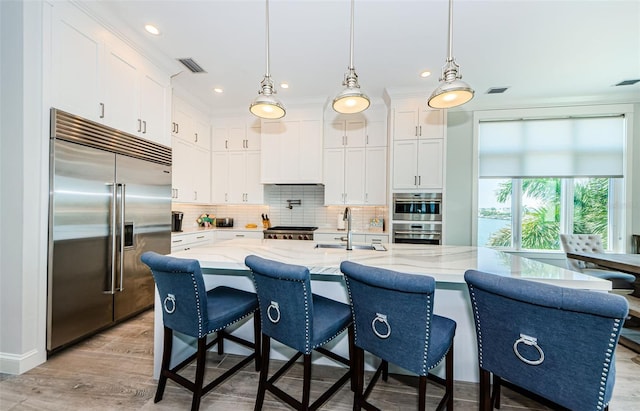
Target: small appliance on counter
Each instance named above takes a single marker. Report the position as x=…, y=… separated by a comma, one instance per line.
x=225, y=222
x=176, y=221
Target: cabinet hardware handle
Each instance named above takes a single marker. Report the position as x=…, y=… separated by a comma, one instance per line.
x=176, y=241
x=196, y=137
x=226, y=144
x=376, y=241
x=177, y=192
x=415, y=180
x=416, y=131
x=195, y=195
x=199, y=237
x=101, y=110
x=173, y=127
x=139, y=125
x=366, y=141
x=346, y=140
x=225, y=197
x=239, y=235
x=420, y=130
x=419, y=180
x=144, y=126
x=177, y=128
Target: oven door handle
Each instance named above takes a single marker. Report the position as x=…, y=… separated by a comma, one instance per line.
x=419, y=232
x=409, y=201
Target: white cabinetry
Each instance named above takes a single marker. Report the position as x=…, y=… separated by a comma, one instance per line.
x=189, y=124
x=185, y=241
x=418, y=149
x=292, y=149
x=355, y=162
x=226, y=234
x=97, y=76
x=236, y=163
x=355, y=237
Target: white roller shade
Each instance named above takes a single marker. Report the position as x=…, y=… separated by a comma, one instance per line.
x=568, y=147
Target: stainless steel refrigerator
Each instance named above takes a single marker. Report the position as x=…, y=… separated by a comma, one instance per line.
x=110, y=201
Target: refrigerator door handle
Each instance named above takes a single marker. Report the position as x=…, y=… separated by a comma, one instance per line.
x=121, y=236
x=114, y=238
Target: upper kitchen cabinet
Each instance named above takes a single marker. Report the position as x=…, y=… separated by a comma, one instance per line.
x=355, y=162
x=236, y=162
x=418, y=148
x=189, y=124
x=292, y=148
x=97, y=76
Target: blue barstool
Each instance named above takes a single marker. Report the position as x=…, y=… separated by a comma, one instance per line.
x=393, y=320
x=188, y=308
x=553, y=344
x=294, y=316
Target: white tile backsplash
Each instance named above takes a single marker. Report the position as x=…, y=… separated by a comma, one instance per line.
x=310, y=212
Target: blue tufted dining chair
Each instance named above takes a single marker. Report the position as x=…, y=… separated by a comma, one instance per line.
x=188, y=308
x=294, y=316
x=554, y=344
x=393, y=320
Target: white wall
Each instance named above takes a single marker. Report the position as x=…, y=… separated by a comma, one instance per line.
x=22, y=194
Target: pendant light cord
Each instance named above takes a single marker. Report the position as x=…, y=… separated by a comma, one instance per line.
x=267, y=40
x=450, y=30
x=351, y=43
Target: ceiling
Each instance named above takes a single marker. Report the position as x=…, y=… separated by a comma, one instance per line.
x=543, y=51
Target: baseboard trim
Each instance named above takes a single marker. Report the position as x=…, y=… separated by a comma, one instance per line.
x=20, y=363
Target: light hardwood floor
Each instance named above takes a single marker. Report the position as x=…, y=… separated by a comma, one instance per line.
x=112, y=371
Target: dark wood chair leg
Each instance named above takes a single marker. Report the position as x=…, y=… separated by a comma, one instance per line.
x=166, y=363
x=495, y=396
x=422, y=393
x=220, y=337
x=257, y=332
x=357, y=363
x=201, y=358
x=385, y=370
x=306, y=382
x=449, y=379
x=485, y=387
x=264, y=369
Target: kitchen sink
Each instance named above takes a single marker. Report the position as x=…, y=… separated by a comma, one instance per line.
x=355, y=247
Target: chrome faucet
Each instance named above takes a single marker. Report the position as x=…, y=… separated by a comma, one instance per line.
x=347, y=218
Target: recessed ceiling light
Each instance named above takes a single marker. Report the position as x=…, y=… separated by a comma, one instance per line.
x=218, y=90
x=425, y=73
x=152, y=29
x=284, y=85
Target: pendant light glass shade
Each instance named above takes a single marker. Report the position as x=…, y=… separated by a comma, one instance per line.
x=452, y=91
x=266, y=105
x=351, y=100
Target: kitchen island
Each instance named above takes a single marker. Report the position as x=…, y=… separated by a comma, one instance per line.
x=223, y=263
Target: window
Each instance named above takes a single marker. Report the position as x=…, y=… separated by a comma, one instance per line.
x=539, y=178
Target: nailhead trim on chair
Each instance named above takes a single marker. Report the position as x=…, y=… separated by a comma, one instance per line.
x=607, y=364
x=478, y=327
x=426, y=340
x=353, y=317
x=198, y=308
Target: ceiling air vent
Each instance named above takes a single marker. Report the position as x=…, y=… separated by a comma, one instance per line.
x=192, y=65
x=497, y=90
x=628, y=82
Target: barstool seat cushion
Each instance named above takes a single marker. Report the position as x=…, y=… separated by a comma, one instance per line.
x=227, y=305
x=610, y=275
x=330, y=318
x=440, y=341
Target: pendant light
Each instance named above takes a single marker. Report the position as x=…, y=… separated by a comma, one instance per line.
x=452, y=91
x=351, y=100
x=266, y=105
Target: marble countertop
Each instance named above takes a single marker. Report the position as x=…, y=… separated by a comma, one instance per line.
x=446, y=264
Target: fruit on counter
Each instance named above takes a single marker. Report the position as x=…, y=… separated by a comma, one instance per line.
x=250, y=225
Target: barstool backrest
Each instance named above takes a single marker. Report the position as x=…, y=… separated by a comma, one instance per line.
x=285, y=299
x=556, y=342
x=183, y=296
x=392, y=313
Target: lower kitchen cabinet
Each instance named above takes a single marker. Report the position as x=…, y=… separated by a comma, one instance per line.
x=356, y=237
x=225, y=234
x=185, y=241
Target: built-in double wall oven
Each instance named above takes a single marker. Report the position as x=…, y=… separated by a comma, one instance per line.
x=417, y=218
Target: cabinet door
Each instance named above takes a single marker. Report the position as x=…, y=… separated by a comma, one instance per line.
x=356, y=133
x=201, y=133
x=237, y=177
x=430, y=163
x=376, y=134
x=270, y=153
x=219, y=177
x=334, y=176
x=334, y=134
x=253, y=189
x=76, y=86
x=405, y=166
x=376, y=176
x=121, y=92
x=431, y=124
x=182, y=118
x=405, y=126
x=253, y=136
x=309, y=154
x=220, y=139
x=153, y=108
x=354, y=175
x=201, y=175
x=237, y=135
x=182, y=179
